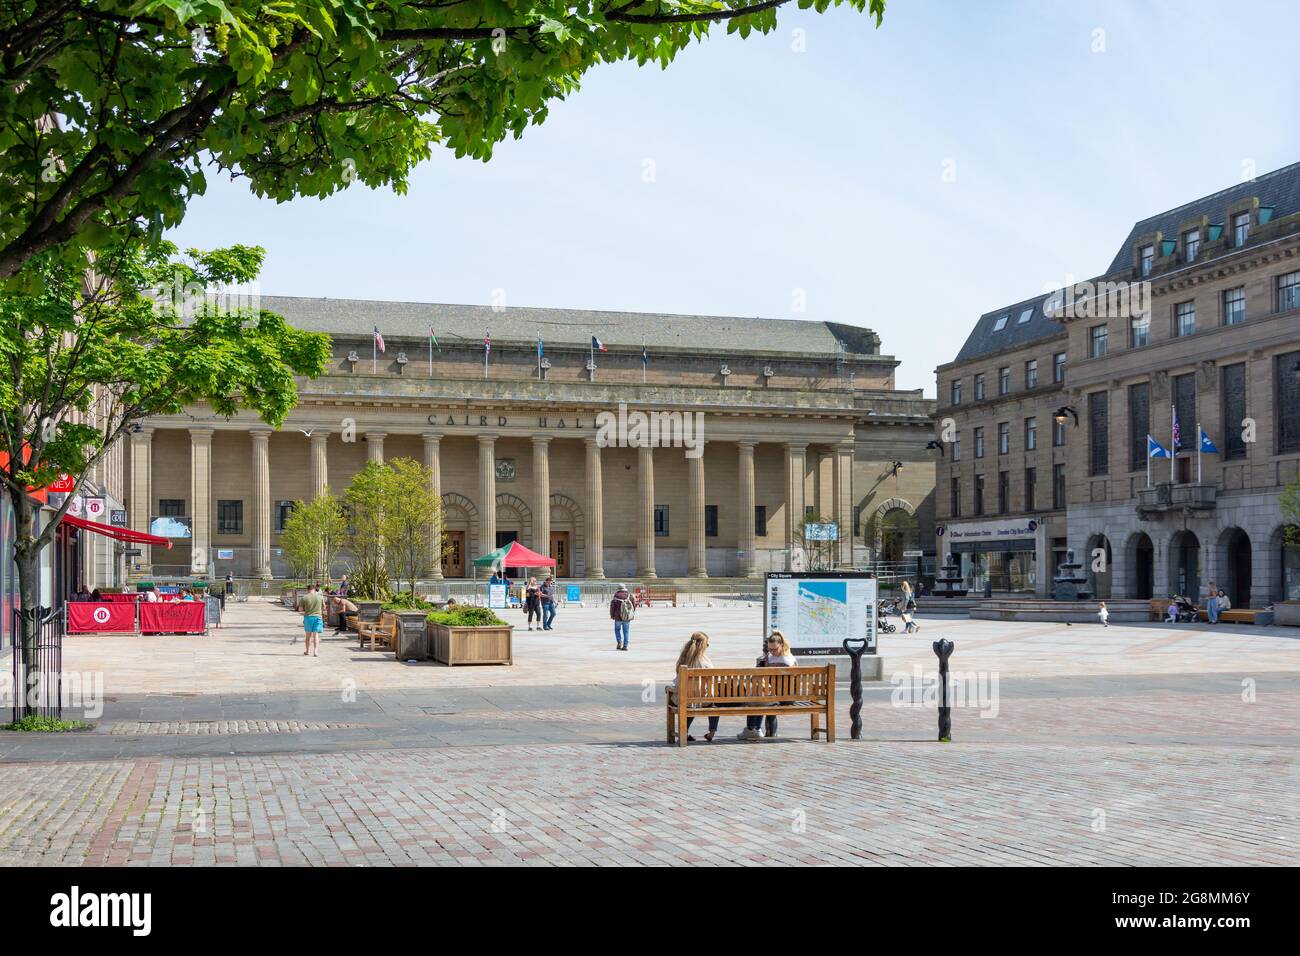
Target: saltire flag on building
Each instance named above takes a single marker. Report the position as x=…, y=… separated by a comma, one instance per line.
x=1155, y=449
x=1178, y=432
x=379, y=339
x=645, y=358
x=597, y=345
x=1207, y=445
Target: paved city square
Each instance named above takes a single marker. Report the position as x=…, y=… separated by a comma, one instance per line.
x=1127, y=745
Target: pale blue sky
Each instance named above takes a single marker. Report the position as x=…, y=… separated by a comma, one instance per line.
x=822, y=171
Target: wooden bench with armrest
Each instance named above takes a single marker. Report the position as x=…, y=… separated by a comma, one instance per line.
x=645, y=597
x=383, y=631
x=752, y=692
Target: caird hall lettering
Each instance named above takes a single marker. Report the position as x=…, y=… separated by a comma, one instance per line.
x=500, y=421
x=75, y=908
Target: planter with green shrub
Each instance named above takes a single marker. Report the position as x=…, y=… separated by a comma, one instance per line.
x=469, y=635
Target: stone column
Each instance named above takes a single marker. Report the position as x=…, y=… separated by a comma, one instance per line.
x=375, y=445
x=487, y=494
x=645, y=541
x=542, y=494
x=824, y=479
x=433, y=461
x=696, y=566
x=141, y=503
x=595, y=517
x=261, y=502
x=320, y=475
x=746, y=541
x=201, y=500
x=794, y=495
x=843, y=508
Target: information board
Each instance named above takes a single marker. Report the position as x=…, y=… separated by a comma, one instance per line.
x=496, y=595
x=818, y=610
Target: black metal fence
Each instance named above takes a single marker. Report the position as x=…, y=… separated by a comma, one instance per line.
x=38, y=676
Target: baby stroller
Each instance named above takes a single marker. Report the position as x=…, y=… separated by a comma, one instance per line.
x=882, y=622
x=1186, y=612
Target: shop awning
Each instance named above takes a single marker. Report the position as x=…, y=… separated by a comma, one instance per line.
x=513, y=555
x=111, y=531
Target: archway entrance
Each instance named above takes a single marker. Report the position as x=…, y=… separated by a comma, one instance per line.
x=1185, y=565
x=899, y=532
x=1143, y=563
x=1098, y=562
x=1235, y=550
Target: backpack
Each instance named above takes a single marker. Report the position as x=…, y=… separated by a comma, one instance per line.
x=624, y=608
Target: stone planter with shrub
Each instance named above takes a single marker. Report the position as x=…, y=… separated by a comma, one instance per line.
x=469, y=635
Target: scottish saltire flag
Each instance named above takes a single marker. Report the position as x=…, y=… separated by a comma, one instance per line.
x=540, y=353
x=1178, y=432
x=433, y=339
x=1207, y=446
x=379, y=339
x=487, y=342
x=598, y=345
x=1155, y=449
x=645, y=358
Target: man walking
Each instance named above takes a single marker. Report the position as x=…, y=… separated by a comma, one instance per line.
x=621, y=611
x=548, y=602
x=312, y=606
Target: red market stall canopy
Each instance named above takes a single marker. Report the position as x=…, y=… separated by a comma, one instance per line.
x=121, y=534
x=514, y=555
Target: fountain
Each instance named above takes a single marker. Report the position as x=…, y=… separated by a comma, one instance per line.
x=1070, y=582
x=948, y=583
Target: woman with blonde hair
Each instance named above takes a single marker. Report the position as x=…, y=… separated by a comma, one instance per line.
x=694, y=655
x=778, y=654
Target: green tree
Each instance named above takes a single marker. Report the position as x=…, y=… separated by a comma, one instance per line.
x=1289, y=502
x=112, y=107
x=412, y=514
x=89, y=355
x=313, y=534
x=364, y=501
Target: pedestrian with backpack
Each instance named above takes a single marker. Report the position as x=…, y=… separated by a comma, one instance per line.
x=621, y=612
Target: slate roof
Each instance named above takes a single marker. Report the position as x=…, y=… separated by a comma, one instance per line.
x=628, y=330
x=983, y=340
x=1279, y=189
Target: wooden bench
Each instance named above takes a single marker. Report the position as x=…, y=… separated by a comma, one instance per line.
x=645, y=597
x=384, y=631
x=1234, y=616
x=752, y=692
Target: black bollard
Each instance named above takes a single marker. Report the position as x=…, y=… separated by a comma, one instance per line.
x=943, y=650
x=855, y=683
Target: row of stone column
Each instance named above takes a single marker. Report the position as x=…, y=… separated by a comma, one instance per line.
x=260, y=523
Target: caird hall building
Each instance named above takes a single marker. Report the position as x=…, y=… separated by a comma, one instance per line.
x=800, y=420
x=1046, y=410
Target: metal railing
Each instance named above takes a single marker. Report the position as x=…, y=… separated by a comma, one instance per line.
x=38, y=671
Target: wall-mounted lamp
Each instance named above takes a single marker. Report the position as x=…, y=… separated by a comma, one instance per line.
x=1064, y=412
x=933, y=445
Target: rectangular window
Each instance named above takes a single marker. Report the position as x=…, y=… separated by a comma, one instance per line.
x=1288, y=292
x=1234, y=410
x=1004, y=437
x=661, y=521
x=171, y=507
x=1191, y=245
x=857, y=521
x=1139, y=332
x=230, y=517
x=1240, y=228
x=760, y=521
x=809, y=511
x=1058, y=434
x=1184, y=318
x=1097, y=340
x=710, y=521
x=1058, y=486
x=1098, y=433
x=1139, y=424
x=1234, y=306
x=979, y=386
x=1004, y=380
x=1184, y=389
x=1031, y=478
x=956, y=391
x=1001, y=323
x=282, y=511
x=1031, y=434
x=1025, y=315
x=1031, y=373
x=1148, y=260
x=954, y=497
x=1004, y=491
x=1058, y=367
x=956, y=447
x=979, y=443
x=979, y=494
x=1287, y=385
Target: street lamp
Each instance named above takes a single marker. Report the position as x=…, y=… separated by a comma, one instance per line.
x=1065, y=412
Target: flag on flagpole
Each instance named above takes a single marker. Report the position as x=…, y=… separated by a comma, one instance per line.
x=1178, y=432
x=487, y=342
x=379, y=339
x=433, y=339
x=597, y=345
x=1155, y=449
x=540, y=355
x=645, y=361
x=1207, y=445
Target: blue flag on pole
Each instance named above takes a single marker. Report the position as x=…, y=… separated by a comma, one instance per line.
x=1207, y=446
x=540, y=353
x=1155, y=449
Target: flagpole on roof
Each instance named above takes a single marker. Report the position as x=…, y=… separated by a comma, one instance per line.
x=1198, y=453
x=374, y=354
x=643, y=360
x=1173, y=440
x=1149, y=440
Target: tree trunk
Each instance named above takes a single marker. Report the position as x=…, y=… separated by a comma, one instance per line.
x=27, y=558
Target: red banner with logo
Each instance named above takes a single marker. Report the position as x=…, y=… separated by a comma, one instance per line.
x=183, y=617
x=86, y=617
x=127, y=597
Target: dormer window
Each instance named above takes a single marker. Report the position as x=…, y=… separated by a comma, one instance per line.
x=1001, y=323
x=1025, y=316
x=1191, y=244
x=1147, y=261
x=1240, y=228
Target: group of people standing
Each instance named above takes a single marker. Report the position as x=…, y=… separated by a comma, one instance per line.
x=537, y=598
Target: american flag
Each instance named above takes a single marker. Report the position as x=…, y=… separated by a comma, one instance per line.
x=379, y=339
x=1178, y=432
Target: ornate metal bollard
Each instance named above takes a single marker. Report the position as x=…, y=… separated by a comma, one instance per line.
x=855, y=683
x=943, y=650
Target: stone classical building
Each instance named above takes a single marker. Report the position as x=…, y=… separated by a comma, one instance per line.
x=792, y=420
x=1198, y=317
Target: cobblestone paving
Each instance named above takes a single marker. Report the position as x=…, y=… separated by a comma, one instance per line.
x=199, y=728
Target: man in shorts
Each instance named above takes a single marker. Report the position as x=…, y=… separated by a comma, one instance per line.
x=312, y=606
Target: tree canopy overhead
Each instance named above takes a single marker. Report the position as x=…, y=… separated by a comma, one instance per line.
x=112, y=109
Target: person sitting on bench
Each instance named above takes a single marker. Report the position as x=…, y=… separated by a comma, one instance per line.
x=778, y=655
